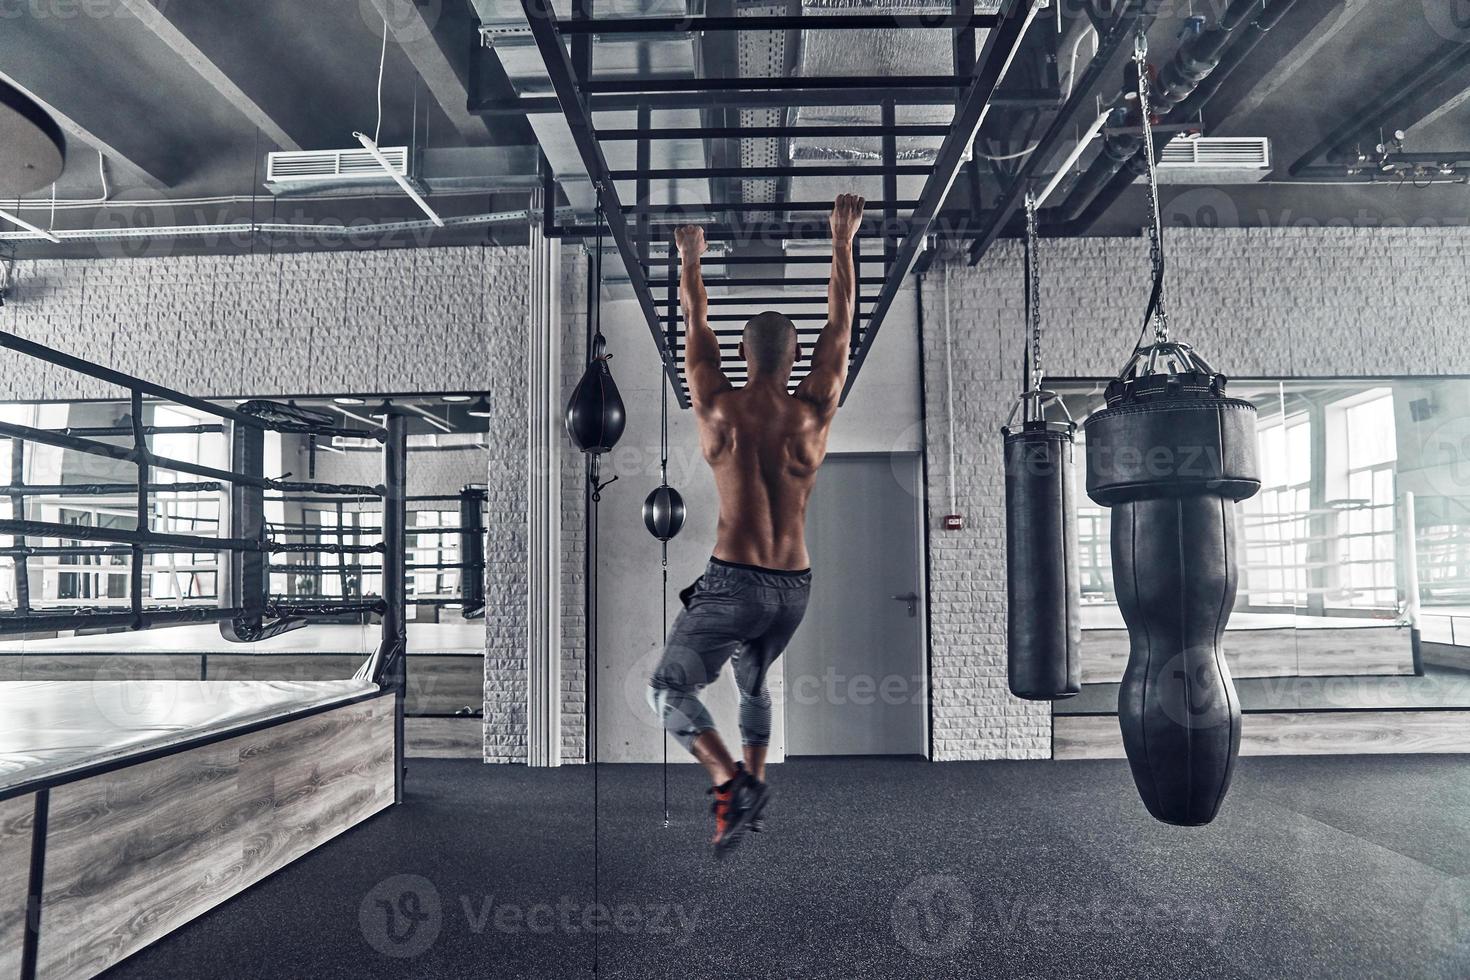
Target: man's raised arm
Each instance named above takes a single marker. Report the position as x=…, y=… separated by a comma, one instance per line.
x=823, y=386
x=701, y=347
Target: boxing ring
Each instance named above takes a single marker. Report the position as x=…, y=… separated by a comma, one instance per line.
x=128, y=805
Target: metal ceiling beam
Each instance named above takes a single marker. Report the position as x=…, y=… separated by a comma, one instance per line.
x=1119, y=34
x=878, y=86
x=544, y=27
x=766, y=132
x=151, y=14
x=789, y=22
x=540, y=104
x=1001, y=47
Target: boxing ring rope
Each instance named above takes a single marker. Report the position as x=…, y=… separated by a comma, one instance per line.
x=245, y=610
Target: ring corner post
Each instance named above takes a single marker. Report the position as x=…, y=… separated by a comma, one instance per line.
x=472, y=550
x=392, y=661
x=246, y=571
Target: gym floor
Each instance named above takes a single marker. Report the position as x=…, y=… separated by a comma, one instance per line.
x=872, y=868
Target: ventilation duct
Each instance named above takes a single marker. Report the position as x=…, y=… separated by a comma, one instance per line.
x=760, y=54
x=477, y=169
x=872, y=53
x=1215, y=160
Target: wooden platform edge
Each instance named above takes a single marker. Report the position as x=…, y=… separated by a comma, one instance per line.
x=133, y=853
x=1350, y=732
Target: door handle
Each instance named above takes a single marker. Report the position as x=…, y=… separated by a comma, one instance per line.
x=911, y=599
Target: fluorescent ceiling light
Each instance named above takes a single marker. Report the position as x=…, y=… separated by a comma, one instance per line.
x=458, y=398
x=347, y=400
x=398, y=178
x=34, y=229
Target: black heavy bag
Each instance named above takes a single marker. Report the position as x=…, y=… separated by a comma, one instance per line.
x=595, y=415
x=1043, y=622
x=1171, y=455
x=663, y=512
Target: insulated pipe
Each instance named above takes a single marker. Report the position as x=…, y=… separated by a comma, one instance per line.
x=1106, y=180
x=1197, y=57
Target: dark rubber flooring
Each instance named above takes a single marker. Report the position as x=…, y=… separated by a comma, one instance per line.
x=871, y=868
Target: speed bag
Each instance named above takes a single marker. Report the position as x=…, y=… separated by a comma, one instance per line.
x=1172, y=459
x=595, y=414
x=1043, y=621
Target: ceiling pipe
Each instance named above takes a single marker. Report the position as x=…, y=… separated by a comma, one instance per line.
x=1106, y=181
x=1115, y=36
x=1197, y=58
x=269, y=228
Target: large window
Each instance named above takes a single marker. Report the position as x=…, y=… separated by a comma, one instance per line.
x=1277, y=520
x=1362, y=453
x=1321, y=538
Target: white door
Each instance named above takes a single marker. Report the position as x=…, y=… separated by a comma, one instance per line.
x=855, y=677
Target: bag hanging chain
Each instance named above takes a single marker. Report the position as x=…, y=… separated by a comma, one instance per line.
x=1033, y=292
x=1156, y=308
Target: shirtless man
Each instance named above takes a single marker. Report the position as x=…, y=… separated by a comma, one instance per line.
x=764, y=445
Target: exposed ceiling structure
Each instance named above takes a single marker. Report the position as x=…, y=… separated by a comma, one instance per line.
x=747, y=115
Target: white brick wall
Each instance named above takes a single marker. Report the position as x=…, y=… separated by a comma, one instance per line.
x=314, y=323
x=1254, y=302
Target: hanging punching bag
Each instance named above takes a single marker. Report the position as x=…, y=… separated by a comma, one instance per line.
x=1043, y=624
x=1043, y=597
x=595, y=415
x=663, y=512
x=1171, y=455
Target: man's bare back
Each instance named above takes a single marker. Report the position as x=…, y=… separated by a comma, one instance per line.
x=763, y=442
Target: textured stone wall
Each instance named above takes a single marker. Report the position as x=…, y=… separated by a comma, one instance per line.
x=1254, y=302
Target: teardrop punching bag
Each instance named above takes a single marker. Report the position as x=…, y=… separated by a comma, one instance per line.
x=663, y=512
x=1043, y=620
x=595, y=414
x=1171, y=455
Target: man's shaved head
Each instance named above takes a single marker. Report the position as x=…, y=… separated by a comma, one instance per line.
x=769, y=344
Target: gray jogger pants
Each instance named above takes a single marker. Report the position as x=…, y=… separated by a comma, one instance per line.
x=740, y=612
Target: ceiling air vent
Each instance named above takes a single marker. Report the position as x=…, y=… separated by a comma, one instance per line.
x=1215, y=160
x=333, y=166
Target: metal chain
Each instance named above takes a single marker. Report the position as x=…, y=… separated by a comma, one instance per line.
x=1155, y=221
x=1033, y=291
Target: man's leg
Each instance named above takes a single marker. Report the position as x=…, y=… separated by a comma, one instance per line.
x=696, y=650
x=755, y=760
